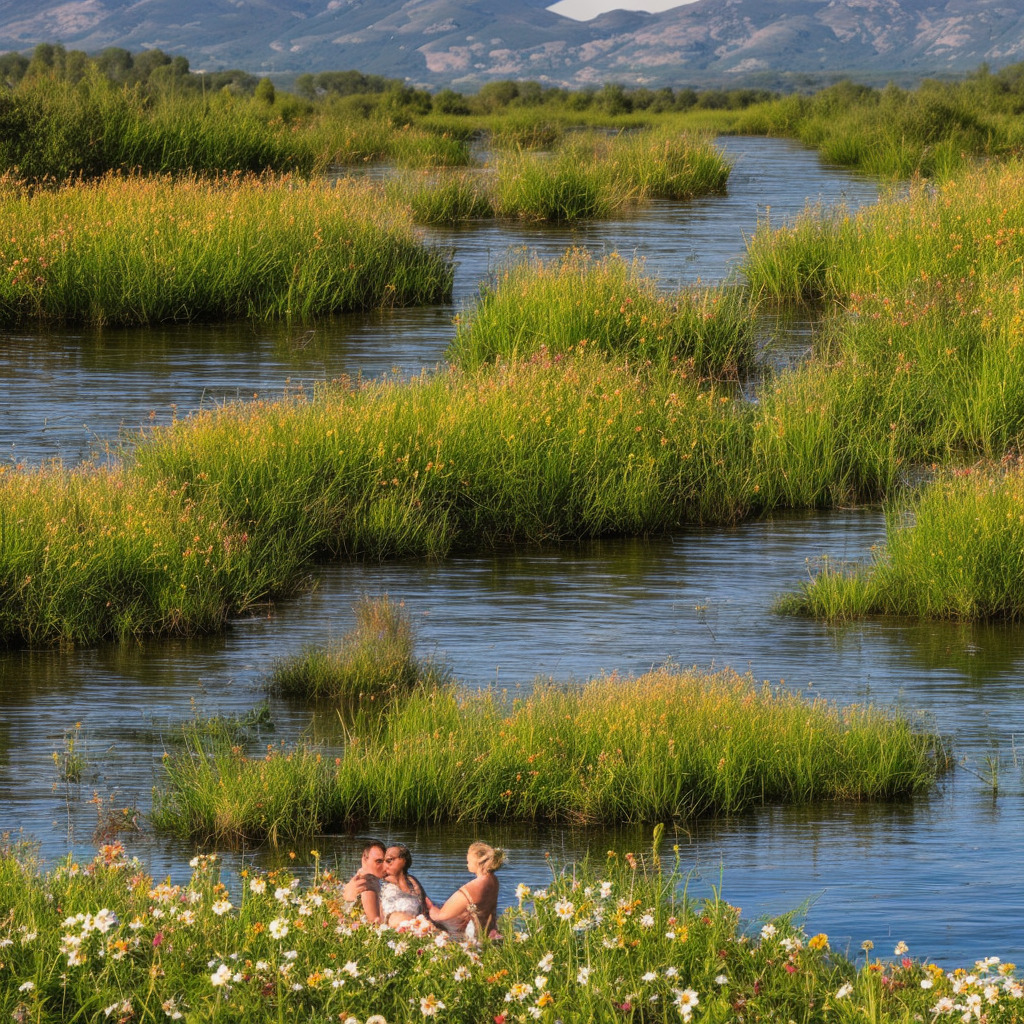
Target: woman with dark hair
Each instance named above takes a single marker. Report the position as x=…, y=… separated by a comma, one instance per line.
x=400, y=894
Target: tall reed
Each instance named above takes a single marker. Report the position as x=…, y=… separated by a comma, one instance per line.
x=134, y=250
x=667, y=745
x=950, y=554
x=610, y=305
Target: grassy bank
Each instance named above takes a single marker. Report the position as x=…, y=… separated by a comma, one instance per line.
x=951, y=554
x=104, y=941
x=134, y=250
x=56, y=129
x=670, y=745
x=934, y=130
x=610, y=305
x=927, y=303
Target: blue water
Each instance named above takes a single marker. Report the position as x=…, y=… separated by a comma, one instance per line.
x=941, y=873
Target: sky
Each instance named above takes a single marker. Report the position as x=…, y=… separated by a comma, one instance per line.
x=584, y=10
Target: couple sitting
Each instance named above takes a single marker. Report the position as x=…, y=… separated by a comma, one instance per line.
x=390, y=895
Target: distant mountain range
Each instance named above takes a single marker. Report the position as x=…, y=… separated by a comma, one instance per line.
x=464, y=43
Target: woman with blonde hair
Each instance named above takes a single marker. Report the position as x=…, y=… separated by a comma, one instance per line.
x=472, y=910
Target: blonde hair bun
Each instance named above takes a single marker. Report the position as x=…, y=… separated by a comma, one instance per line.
x=487, y=857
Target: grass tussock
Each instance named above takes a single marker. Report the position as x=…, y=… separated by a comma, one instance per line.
x=590, y=177
x=610, y=305
x=376, y=659
x=257, y=955
x=135, y=250
x=668, y=745
x=951, y=554
x=451, y=198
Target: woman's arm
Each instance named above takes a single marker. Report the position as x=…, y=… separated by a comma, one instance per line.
x=455, y=906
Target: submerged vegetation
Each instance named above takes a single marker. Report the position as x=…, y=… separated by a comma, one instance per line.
x=669, y=745
x=623, y=941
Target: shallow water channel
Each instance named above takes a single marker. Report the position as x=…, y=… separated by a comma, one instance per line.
x=943, y=873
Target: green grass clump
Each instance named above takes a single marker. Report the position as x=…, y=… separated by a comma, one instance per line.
x=443, y=199
x=926, y=312
x=667, y=745
x=599, y=937
x=933, y=131
x=953, y=553
x=666, y=164
x=546, y=448
x=560, y=188
x=591, y=176
x=134, y=250
x=375, y=659
x=607, y=304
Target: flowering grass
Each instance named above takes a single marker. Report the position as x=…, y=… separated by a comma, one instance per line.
x=950, y=554
x=104, y=941
x=926, y=312
x=229, y=507
x=134, y=250
x=593, y=176
x=610, y=305
x=376, y=659
x=669, y=745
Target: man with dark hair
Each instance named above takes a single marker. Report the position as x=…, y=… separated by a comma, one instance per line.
x=364, y=885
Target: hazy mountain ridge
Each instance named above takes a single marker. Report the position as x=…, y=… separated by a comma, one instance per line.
x=465, y=42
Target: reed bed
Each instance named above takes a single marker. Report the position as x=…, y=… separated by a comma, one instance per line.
x=54, y=130
x=343, y=141
x=98, y=552
x=586, y=176
x=560, y=188
x=452, y=198
x=927, y=307
x=592, y=176
x=602, y=942
x=952, y=553
x=669, y=745
x=610, y=305
x=374, y=660
x=934, y=131
x=961, y=230
x=550, y=448
x=135, y=250
x=669, y=164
